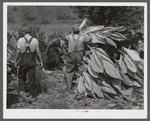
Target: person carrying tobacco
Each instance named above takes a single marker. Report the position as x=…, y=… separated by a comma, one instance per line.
x=76, y=43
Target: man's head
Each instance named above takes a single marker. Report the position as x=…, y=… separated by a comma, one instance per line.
x=75, y=29
x=26, y=30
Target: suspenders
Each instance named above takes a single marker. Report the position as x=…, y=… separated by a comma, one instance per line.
x=28, y=50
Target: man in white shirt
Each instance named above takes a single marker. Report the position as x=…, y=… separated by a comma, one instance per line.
x=27, y=50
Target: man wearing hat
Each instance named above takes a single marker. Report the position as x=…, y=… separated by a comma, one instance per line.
x=27, y=51
x=76, y=44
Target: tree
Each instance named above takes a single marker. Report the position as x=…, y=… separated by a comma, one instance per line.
x=27, y=13
x=128, y=16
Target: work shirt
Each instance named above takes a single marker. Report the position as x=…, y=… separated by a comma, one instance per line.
x=76, y=40
x=22, y=43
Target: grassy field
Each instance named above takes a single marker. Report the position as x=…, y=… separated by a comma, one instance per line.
x=62, y=27
x=59, y=97
x=49, y=19
x=50, y=28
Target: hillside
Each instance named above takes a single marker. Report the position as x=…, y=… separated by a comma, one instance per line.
x=49, y=19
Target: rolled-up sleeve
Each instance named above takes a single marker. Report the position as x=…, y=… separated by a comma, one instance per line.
x=19, y=44
x=36, y=43
x=87, y=38
x=66, y=37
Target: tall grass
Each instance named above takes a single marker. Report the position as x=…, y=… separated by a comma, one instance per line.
x=62, y=27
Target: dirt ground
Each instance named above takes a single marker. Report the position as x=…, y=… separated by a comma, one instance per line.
x=59, y=97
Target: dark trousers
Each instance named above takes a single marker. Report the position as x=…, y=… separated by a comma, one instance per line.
x=74, y=61
x=76, y=58
x=27, y=65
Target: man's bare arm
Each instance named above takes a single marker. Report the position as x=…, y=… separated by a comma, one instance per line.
x=39, y=54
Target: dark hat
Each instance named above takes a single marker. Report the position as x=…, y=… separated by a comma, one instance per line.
x=75, y=29
x=26, y=29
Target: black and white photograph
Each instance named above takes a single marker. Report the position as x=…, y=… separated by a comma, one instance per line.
x=76, y=59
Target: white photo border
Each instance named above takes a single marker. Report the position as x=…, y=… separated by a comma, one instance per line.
x=68, y=113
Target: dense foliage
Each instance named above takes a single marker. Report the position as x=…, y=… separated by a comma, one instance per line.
x=113, y=64
x=112, y=15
